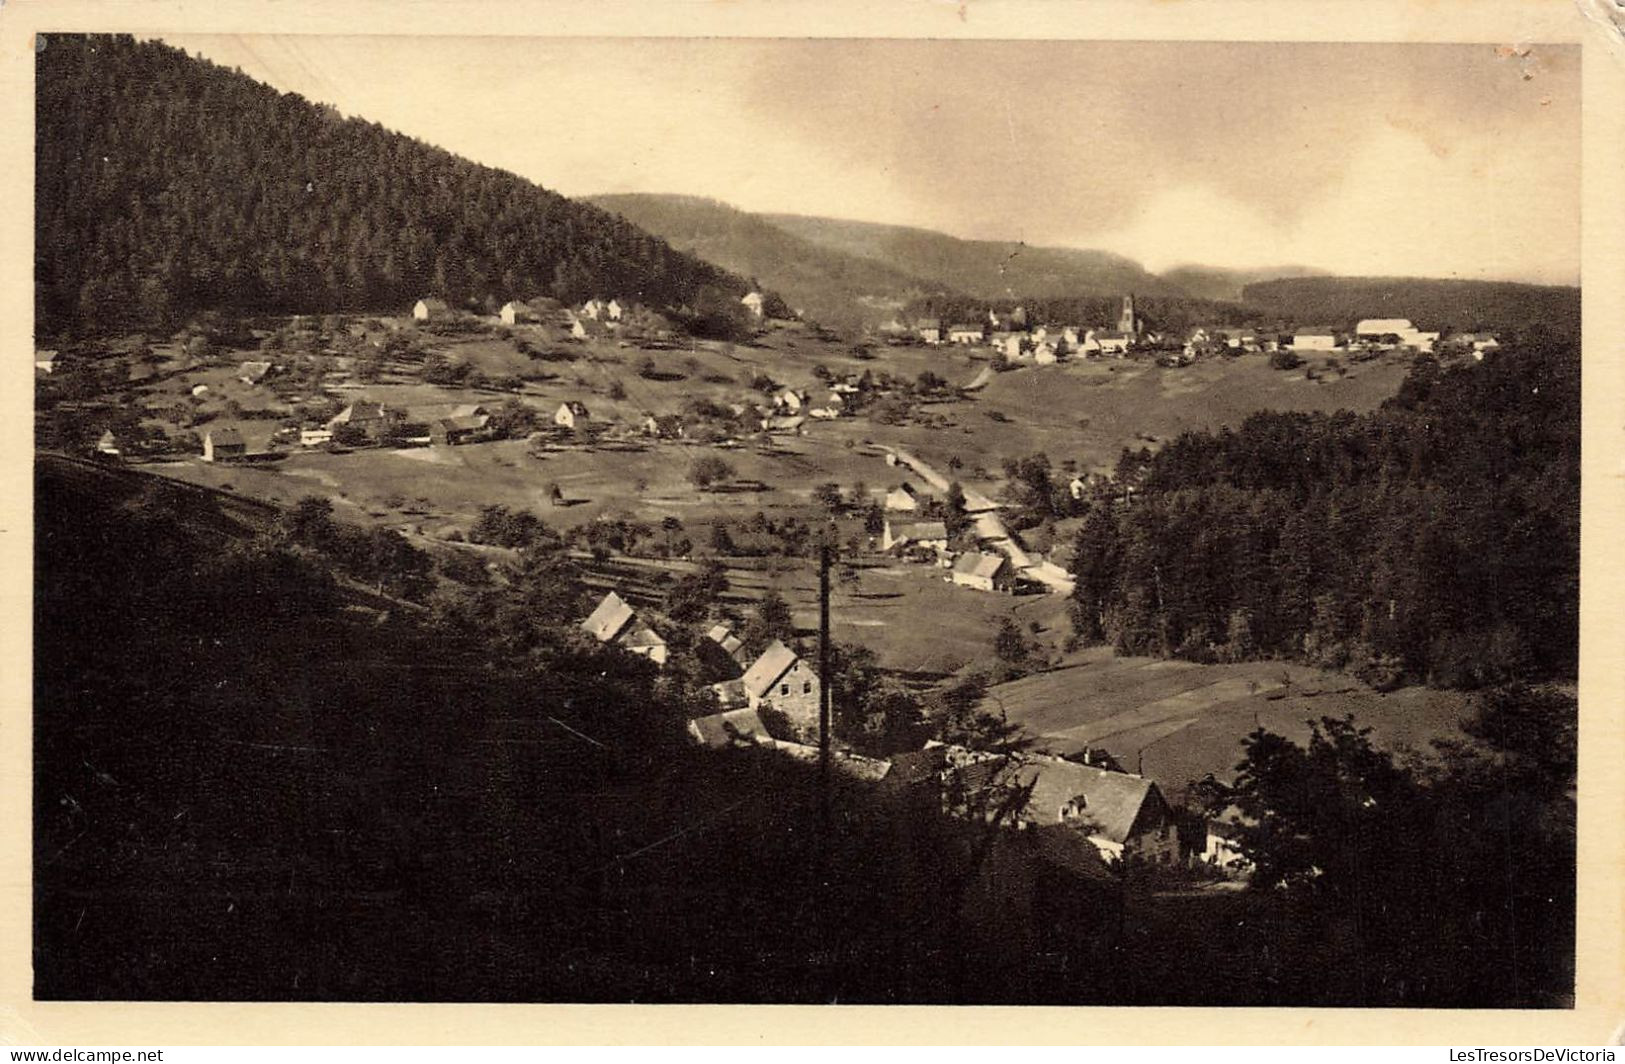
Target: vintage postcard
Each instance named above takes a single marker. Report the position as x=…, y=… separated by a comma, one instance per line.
x=928, y=505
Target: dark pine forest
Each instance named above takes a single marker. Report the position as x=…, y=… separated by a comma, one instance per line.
x=1436, y=539
x=167, y=185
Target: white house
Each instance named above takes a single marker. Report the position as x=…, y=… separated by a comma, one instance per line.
x=613, y=310
x=1222, y=848
x=45, y=361
x=964, y=334
x=1112, y=343
x=753, y=302
x=592, y=308
x=903, y=498
x=430, y=309
x=571, y=414
x=1315, y=338
x=515, y=312
x=930, y=331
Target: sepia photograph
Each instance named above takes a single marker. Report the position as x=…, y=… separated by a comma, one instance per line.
x=750, y=521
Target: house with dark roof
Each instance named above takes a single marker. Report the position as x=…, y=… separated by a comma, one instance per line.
x=364, y=416
x=222, y=444
x=984, y=572
x=779, y=679
x=45, y=361
x=615, y=622
x=731, y=728
x=253, y=372
x=452, y=431
x=723, y=655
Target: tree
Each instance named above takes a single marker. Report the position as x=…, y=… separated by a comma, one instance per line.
x=828, y=495
x=709, y=470
x=769, y=621
x=693, y=595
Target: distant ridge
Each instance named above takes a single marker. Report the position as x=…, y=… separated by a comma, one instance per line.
x=826, y=283
x=1222, y=283
x=985, y=269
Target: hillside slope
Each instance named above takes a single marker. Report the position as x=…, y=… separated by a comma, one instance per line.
x=1221, y=283
x=167, y=184
x=981, y=268
x=1502, y=306
x=827, y=284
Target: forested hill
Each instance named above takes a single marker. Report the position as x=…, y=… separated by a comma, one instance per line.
x=1498, y=306
x=1435, y=539
x=166, y=184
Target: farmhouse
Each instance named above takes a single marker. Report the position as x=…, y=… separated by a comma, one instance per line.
x=731, y=728
x=222, y=444
x=613, y=310
x=780, y=680
x=1315, y=338
x=1109, y=343
x=984, y=572
x=915, y=536
x=363, y=415
x=108, y=444
x=578, y=329
x=1046, y=354
x=930, y=330
x=753, y=302
x=903, y=498
x=790, y=400
x=45, y=361
x=571, y=414
x=253, y=372
x=722, y=653
x=516, y=313
x=1121, y=814
x=592, y=308
x=964, y=334
x=430, y=310
x=614, y=622
x=314, y=437
x=454, y=430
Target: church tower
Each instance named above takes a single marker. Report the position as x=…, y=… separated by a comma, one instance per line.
x=1126, y=322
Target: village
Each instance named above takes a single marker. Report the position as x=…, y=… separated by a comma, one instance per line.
x=441, y=384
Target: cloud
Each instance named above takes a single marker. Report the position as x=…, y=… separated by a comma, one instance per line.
x=1401, y=206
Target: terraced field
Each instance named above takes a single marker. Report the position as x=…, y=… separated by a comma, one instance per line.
x=1176, y=721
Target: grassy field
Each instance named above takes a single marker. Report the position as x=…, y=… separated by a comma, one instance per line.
x=1177, y=721
x=1084, y=413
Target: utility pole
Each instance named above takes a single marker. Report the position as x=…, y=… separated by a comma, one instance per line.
x=823, y=680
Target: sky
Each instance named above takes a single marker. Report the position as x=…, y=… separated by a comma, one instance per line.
x=1392, y=159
